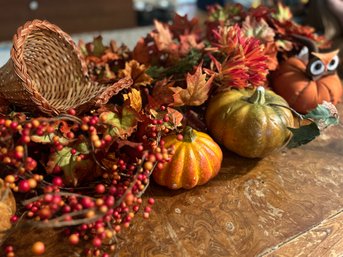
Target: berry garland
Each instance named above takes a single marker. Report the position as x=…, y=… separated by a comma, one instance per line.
x=87, y=173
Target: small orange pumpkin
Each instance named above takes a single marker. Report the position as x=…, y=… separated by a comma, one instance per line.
x=304, y=85
x=197, y=159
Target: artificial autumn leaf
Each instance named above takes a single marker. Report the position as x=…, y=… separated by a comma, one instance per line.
x=48, y=139
x=303, y=135
x=65, y=127
x=144, y=50
x=324, y=115
x=74, y=171
x=7, y=207
x=232, y=12
x=137, y=72
x=283, y=13
x=189, y=42
x=162, y=93
x=106, y=74
x=135, y=99
x=321, y=117
x=259, y=29
x=163, y=37
x=175, y=117
x=181, y=25
x=121, y=123
x=284, y=45
x=61, y=128
x=163, y=48
x=98, y=46
x=196, y=92
x=260, y=12
x=184, y=65
x=18, y=117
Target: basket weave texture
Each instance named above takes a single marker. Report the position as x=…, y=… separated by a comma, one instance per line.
x=47, y=73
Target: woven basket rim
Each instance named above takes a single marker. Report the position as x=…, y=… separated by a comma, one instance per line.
x=19, y=65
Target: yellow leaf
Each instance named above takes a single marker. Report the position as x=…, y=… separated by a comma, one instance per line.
x=135, y=99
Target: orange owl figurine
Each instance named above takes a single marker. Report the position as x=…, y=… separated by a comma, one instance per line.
x=306, y=83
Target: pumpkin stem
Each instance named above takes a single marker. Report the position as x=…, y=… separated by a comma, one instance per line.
x=258, y=97
x=188, y=134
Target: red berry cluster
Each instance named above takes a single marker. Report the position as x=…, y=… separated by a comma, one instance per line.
x=91, y=207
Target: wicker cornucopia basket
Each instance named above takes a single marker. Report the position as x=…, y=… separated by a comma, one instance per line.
x=47, y=73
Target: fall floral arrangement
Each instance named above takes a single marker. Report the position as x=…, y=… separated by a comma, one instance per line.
x=86, y=172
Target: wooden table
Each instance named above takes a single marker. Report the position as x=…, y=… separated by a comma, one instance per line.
x=288, y=204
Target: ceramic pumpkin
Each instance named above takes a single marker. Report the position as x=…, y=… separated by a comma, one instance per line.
x=305, y=84
x=197, y=159
x=249, y=122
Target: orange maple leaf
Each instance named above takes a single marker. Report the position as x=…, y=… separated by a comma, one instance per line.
x=163, y=37
x=162, y=92
x=141, y=52
x=188, y=42
x=196, y=92
x=136, y=72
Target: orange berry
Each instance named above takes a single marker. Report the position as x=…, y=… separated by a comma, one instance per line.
x=10, y=179
x=148, y=165
x=97, y=143
x=19, y=149
x=38, y=248
x=74, y=239
x=32, y=183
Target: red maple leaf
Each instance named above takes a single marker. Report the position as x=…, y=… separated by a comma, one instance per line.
x=181, y=25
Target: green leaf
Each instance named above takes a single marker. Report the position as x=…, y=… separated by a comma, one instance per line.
x=73, y=170
x=82, y=148
x=303, y=135
x=122, y=123
x=156, y=71
x=47, y=139
x=99, y=47
x=324, y=115
x=67, y=161
x=183, y=66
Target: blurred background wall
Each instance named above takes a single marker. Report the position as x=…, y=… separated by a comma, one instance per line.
x=127, y=20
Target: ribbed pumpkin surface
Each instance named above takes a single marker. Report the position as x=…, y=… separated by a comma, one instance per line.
x=251, y=130
x=194, y=163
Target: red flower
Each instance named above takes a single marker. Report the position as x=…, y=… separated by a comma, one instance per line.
x=244, y=61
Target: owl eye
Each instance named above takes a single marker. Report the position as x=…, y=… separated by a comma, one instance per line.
x=317, y=68
x=333, y=64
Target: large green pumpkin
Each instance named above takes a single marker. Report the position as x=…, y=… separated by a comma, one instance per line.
x=249, y=122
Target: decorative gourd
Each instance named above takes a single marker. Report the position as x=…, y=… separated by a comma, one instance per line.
x=304, y=85
x=197, y=159
x=249, y=122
